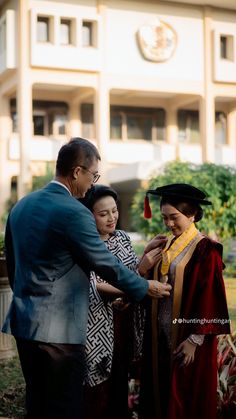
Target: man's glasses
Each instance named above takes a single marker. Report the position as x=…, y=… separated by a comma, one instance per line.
x=96, y=176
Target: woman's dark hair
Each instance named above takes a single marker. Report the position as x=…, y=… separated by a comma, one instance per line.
x=188, y=208
x=77, y=151
x=95, y=193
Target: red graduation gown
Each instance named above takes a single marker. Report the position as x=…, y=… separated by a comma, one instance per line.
x=192, y=389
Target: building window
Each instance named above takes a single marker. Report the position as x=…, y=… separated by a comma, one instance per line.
x=42, y=29
x=87, y=118
x=116, y=125
x=188, y=124
x=14, y=121
x=65, y=32
x=50, y=122
x=57, y=123
x=132, y=123
x=2, y=37
x=227, y=47
x=220, y=128
x=139, y=127
x=49, y=118
x=88, y=34
x=39, y=123
x=14, y=116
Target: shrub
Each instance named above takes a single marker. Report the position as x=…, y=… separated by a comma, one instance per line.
x=226, y=391
x=2, y=245
x=218, y=182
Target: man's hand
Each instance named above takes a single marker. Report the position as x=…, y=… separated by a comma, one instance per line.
x=149, y=260
x=158, y=290
x=157, y=241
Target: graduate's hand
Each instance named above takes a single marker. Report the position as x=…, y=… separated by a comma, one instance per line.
x=149, y=260
x=158, y=290
x=158, y=241
x=185, y=352
x=120, y=304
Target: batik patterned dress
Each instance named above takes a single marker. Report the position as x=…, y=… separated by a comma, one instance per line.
x=100, y=330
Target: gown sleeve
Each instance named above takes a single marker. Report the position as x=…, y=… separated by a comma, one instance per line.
x=204, y=293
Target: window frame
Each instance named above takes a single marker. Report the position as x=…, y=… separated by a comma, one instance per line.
x=220, y=127
x=126, y=111
x=40, y=113
x=69, y=23
x=46, y=20
x=188, y=121
x=92, y=27
x=227, y=47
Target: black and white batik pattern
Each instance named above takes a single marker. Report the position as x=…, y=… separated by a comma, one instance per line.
x=100, y=337
x=100, y=330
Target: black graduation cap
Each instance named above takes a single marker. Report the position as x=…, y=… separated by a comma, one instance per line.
x=182, y=191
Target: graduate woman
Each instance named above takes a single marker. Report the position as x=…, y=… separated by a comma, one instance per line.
x=179, y=379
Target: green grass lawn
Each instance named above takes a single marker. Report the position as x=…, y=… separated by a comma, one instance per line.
x=230, y=286
x=12, y=389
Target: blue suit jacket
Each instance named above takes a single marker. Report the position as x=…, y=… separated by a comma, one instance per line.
x=51, y=245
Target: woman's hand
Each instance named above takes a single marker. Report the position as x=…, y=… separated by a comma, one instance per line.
x=149, y=260
x=158, y=241
x=120, y=304
x=185, y=352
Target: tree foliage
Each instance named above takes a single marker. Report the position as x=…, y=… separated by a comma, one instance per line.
x=39, y=182
x=219, y=184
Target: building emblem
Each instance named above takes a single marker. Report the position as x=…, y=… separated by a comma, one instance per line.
x=157, y=41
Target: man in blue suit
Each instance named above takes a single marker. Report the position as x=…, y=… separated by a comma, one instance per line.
x=51, y=245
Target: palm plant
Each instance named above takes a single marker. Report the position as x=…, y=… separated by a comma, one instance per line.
x=226, y=391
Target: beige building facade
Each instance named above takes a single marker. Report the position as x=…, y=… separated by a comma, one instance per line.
x=147, y=82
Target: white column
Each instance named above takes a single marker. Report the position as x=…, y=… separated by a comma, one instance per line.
x=172, y=129
x=231, y=129
x=74, y=120
x=102, y=125
x=207, y=102
x=24, y=99
x=55, y=34
x=207, y=128
x=102, y=102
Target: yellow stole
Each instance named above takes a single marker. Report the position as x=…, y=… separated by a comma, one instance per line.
x=171, y=251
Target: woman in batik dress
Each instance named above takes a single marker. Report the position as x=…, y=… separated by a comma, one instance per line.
x=115, y=326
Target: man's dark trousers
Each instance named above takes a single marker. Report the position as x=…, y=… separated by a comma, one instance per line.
x=54, y=376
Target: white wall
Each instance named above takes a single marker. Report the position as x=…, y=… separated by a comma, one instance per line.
x=224, y=23
x=135, y=151
x=54, y=55
x=8, y=54
x=123, y=54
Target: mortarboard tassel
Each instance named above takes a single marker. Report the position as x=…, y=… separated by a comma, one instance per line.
x=147, y=208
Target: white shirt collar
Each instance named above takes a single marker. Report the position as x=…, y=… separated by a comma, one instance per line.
x=61, y=184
